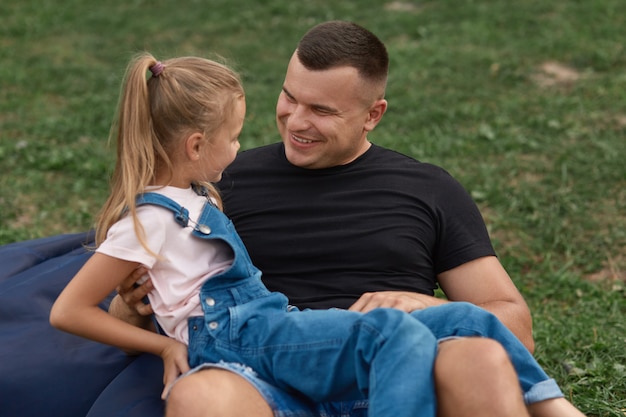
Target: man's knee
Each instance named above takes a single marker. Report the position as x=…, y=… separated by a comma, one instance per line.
x=215, y=392
x=472, y=356
x=476, y=375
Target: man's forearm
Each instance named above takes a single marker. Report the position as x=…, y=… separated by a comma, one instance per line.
x=516, y=317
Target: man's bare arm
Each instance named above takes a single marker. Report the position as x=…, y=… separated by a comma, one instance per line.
x=486, y=283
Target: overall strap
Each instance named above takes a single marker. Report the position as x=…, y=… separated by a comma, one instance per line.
x=181, y=214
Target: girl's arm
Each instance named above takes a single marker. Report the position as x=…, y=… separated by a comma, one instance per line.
x=76, y=311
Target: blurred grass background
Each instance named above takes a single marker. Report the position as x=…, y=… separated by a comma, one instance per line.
x=524, y=102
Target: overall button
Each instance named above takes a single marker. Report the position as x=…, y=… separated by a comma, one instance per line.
x=204, y=229
x=210, y=301
x=213, y=325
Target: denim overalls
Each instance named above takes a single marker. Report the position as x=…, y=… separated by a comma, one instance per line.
x=385, y=355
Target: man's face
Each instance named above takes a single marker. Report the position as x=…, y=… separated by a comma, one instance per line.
x=323, y=116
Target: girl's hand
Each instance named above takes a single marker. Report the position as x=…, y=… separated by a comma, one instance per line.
x=175, y=363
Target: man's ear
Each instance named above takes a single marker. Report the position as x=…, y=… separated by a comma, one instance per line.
x=193, y=145
x=375, y=114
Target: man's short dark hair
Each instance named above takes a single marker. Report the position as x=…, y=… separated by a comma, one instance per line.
x=339, y=43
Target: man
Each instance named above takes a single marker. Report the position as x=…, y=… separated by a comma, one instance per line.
x=333, y=220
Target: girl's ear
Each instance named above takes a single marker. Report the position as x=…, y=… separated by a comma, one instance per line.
x=193, y=146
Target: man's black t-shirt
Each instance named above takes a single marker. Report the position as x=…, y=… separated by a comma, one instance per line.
x=324, y=237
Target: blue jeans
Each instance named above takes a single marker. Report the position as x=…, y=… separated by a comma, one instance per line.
x=320, y=353
x=325, y=355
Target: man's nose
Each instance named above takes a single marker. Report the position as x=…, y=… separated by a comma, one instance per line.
x=298, y=119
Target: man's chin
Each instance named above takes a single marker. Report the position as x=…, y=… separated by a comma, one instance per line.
x=299, y=158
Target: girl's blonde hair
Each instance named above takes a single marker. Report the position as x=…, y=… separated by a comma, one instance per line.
x=182, y=96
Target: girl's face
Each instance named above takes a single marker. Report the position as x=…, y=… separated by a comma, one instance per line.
x=223, y=147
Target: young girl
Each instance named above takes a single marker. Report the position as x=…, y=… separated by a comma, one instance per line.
x=176, y=133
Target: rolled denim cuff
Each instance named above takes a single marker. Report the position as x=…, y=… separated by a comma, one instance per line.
x=541, y=391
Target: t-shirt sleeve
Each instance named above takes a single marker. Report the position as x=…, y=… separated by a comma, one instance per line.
x=123, y=243
x=463, y=235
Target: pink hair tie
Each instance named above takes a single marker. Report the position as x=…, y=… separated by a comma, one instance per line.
x=157, y=69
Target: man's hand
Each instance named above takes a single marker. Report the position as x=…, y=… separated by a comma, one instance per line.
x=401, y=300
x=133, y=294
x=128, y=305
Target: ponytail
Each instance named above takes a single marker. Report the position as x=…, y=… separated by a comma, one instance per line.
x=137, y=146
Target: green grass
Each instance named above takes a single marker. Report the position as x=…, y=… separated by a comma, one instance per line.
x=524, y=102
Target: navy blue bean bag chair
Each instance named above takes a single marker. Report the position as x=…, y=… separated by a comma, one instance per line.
x=47, y=373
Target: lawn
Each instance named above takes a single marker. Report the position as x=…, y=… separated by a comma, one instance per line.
x=524, y=102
